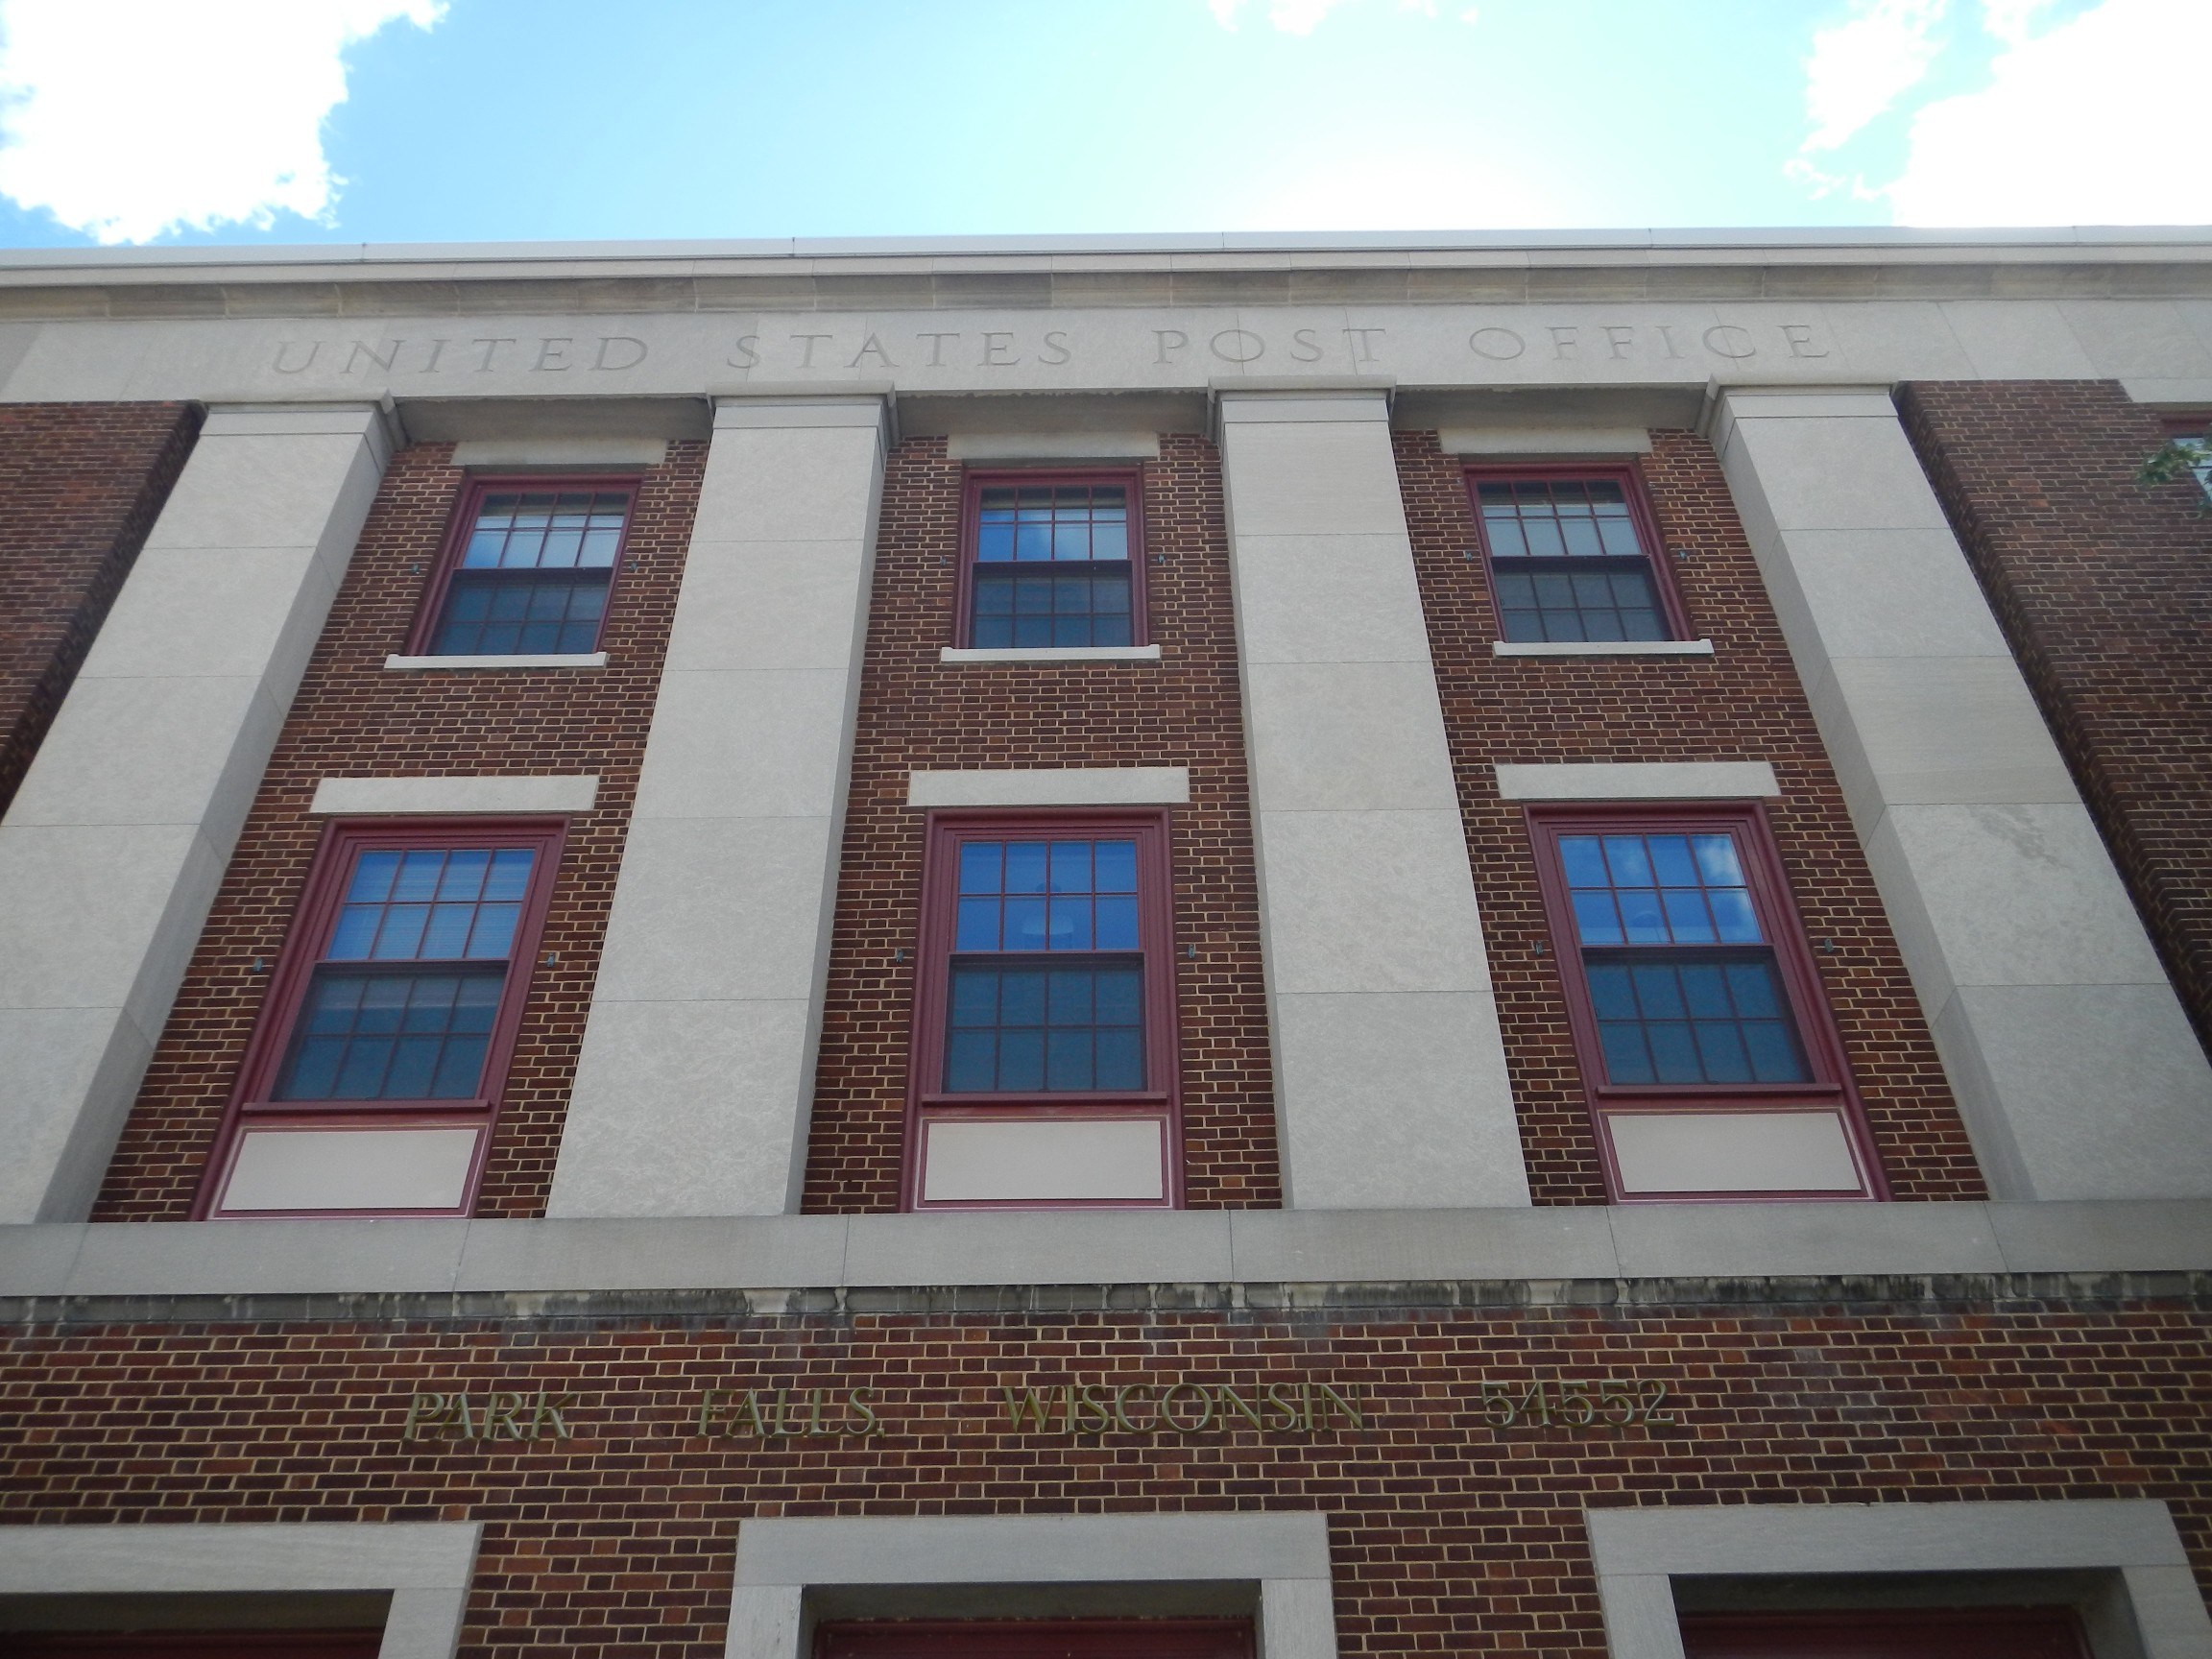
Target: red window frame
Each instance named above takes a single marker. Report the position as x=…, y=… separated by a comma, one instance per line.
x=252, y=1103
x=1035, y=1639
x=1832, y=1085
x=1637, y=492
x=973, y=486
x=423, y=631
x=2186, y=428
x=1162, y=1096
x=1905, y=1633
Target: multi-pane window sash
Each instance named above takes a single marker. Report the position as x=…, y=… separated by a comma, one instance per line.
x=396, y=998
x=1046, y=980
x=1047, y=983
x=1682, y=980
x=1052, y=561
x=1689, y=981
x=1570, y=556
x=528, y=568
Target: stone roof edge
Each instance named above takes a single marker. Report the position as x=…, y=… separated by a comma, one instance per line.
x=464, y=261
x=115, y=1263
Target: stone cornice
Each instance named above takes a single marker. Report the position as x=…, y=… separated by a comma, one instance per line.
x=1068, y=272
x=1261, y=1261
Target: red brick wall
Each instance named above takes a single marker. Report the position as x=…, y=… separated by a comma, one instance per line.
x=1446, y=1537
x=352, y=718
x=917, y=713
x=1743, y=703
x=2104, y=592
x=81, y=485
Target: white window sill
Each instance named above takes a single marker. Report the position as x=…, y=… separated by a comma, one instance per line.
x=556, y=660
x=1601, y=648
x=1052, y=654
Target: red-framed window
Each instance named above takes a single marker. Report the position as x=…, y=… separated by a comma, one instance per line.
x=2196, y=432
x=1699, y=1021
x=1052, y=560
x=393, y=1008
x=1036, y=1639
x=1044, y=1032
x=1574, y=554
x=1950, y=1633
x=528, y=568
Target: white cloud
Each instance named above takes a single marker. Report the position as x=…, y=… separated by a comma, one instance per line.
x=2011, y=21
x=132, y=117
x=1413, y=187
x=2097, y=121
x=1857, y=69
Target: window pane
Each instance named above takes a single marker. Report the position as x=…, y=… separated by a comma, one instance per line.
x=1687, y=1019
x=463, y=879
x=979, y=866
x=374, y=874
x=1570, y=525
x=978, y=925
x=1114, y=866
x=1025, y=925
x=357, y=932
x=1694, y=908
x=1116, y=924
x=972, y=1062
x=510, y=873
x=1026, y=866
x=1051, y=608
x=1067, y=1027
x=525, y=611
x=1584, y=862
x=401, y=935
x=1070, y=927
x=408, y=1036
x=494, y=935
x=1596, y=920
x=1072, y=867
x=476, y=906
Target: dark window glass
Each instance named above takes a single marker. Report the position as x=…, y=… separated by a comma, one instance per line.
x=392, y=1036
x=1069, y=1015
x=1044, y=1026
x=1567, y=562
x=533, y=576
x=1052, y=565
x=1682, y=980
x=402, y=1005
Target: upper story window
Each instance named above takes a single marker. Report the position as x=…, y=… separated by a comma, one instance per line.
x=1572, y=555
x=1045, y=1063
x=1052, y=561
x=390, y=1020
x=1709, y=1057
x=528, y=568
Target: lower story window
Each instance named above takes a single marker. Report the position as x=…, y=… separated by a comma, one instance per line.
x=1044, y=1067
x=1711, y=1065
x=374, y=1077
x=1962, y=1633
x=1036, y=1639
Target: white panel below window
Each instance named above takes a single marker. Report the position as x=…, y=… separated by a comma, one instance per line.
x=350, y=1169
x=1043, y=1161
x=1734, y=1152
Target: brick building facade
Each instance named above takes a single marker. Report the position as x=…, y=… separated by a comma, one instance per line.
x=1273, y=950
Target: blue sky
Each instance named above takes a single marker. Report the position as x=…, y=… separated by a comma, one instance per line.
x=233, y=121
